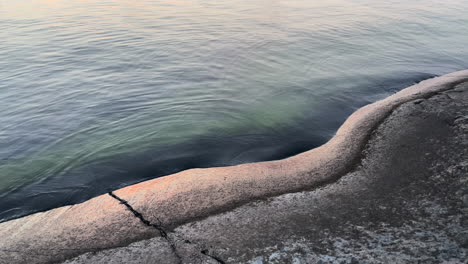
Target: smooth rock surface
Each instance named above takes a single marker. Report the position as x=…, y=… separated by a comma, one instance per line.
x=68, y=231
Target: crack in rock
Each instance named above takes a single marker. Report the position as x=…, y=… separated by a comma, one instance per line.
x=356, y=163
x=219, y=260
x=161, y=230
x=158, y=227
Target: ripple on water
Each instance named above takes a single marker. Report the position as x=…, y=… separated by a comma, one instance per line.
x=97, y=95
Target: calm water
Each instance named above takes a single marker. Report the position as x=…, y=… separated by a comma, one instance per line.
x=96, y=95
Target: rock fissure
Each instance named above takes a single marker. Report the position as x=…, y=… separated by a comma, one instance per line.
x=164, y=234
x=206, y=253
x=158, y=227
x=356, y=163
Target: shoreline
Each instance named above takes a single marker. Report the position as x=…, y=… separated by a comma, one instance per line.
x=168, y=202
x=305, y=171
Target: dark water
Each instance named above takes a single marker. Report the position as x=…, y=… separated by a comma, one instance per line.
x=96, y=95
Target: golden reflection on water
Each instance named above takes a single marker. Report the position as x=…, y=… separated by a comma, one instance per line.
x=133, y=15
x=30, y=9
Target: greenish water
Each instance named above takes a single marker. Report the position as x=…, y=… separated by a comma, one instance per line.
x=96, y=95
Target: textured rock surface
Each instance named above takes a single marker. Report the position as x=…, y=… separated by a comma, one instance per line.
x=394, y=200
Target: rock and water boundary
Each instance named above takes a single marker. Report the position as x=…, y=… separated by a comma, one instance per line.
x=390, y=187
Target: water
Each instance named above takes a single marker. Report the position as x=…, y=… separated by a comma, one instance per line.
x=96, y=95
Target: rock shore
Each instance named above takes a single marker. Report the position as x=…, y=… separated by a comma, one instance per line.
x=391, y=186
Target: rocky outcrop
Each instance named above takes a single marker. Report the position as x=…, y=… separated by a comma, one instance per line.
x=358, y=155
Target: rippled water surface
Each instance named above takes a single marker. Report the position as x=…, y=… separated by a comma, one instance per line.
x=96, y=95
